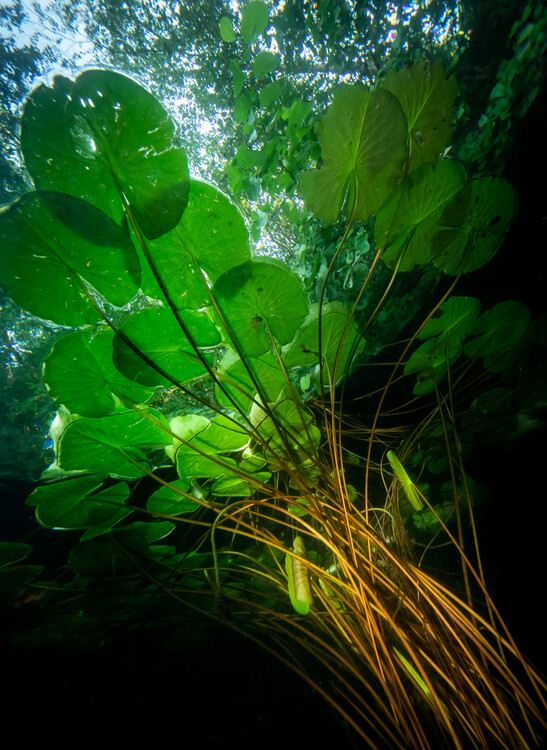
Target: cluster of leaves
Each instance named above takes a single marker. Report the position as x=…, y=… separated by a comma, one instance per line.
x=156, y=272
x=518, y=81
x=68, y=260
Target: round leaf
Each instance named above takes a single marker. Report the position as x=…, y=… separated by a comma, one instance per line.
x=474, y=225
x=72, y=505
x=427, y=99
x=112, y=445
x=497, y=331
x=237, y=376
x=409, y=219
x=339, y=341
x=102, y=136
x=259, y=296
x=363, y=140
x=51, y=244
x=157, y=334
x=80, y=374
x=445, y=335
x=170, y=502
x=211, y=234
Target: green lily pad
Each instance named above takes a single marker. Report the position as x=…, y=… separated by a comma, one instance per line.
x=408, y=220
x=11, y=552
x=80, y=374
x=159, y=337
x=258, y=297
x=170, y=502
x=236, y=377
x=473, y=225
x=74, y=504
x=103, y=136
x=200, y=455
x=443, y=344
x=363, y=140
x=13, y=579
x=234, y=486
x=114, y=445
x=211, y=235
x=115, y=553
x=427, y=99
x=497, y=332
x=51, y=244
x=340, y=340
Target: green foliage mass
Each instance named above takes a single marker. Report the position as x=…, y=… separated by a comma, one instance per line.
x=214, y=310
x=156, y=275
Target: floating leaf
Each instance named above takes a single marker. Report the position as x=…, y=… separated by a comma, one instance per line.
x=11, y=552
x=474, y=224
x=363, y=140
x=427, y=99
x=258, y=297
x=80, y=374
x=235, y=486
x=408, y=220
x=114, y=445
x=168, y=501
x=159, y=337
x=74, y=504
x=14, y=578
x=340, y=340
x=497, y=332
x=52, y=244
x=117, y=551
x=444, y=344
x=201, y=455
x=103, y=136
x=211, y=235
x=236, y=377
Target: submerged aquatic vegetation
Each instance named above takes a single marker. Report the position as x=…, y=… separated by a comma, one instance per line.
x=246, y=505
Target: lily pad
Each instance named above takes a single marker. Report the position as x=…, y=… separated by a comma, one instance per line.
x=444, y=342
x=260, y=300
x=340, y=340
x=363, y=139
x=427, y=99
x=211, y=235
x=408, y=221
x=52, y=244
x=157, y=334
x=474, y=224
x=75, y=504
x=497, y=332
x=80, y=374
x=168, y=501
x=102, y=137
x=236, y=377
x=114, y=445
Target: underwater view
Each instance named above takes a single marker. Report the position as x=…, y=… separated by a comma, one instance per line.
x=274, y=372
